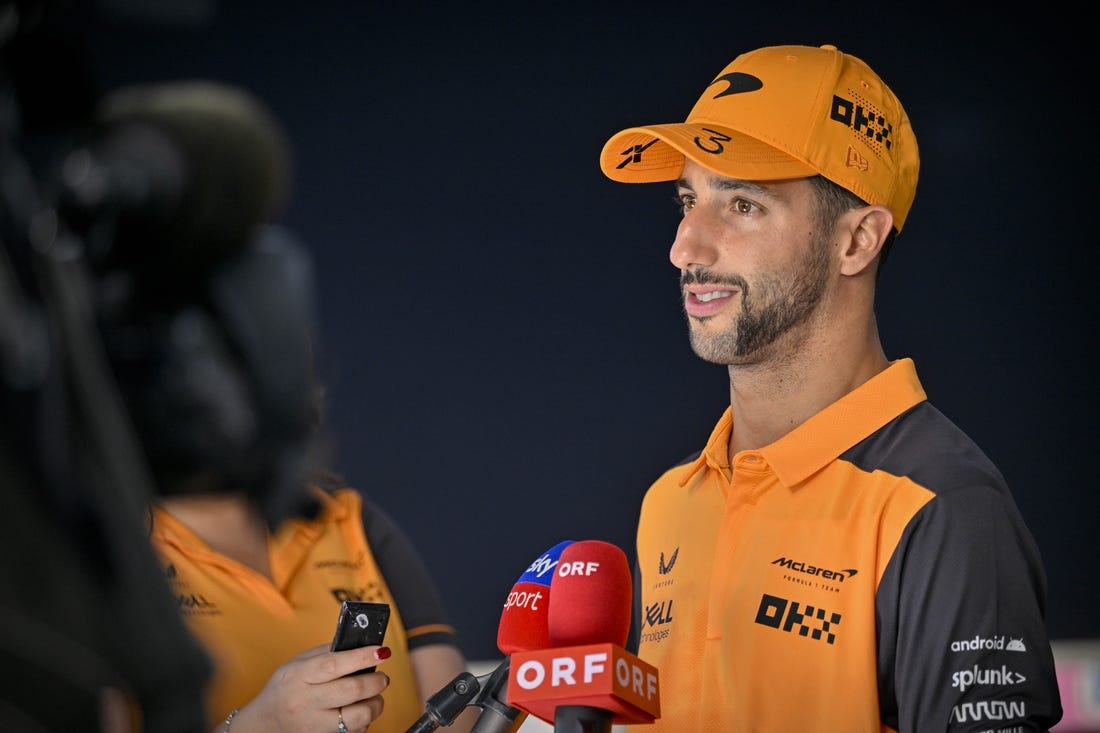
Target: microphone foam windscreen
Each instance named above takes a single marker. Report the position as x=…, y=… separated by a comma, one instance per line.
x=523, y=622
x=236, y=164
x=590, y=596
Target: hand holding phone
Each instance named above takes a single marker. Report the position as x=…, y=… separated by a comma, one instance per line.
x=360, y=624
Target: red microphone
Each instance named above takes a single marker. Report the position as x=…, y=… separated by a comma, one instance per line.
x=586, y=680
x=523, y=626
x=591, y=595
x=524, y=622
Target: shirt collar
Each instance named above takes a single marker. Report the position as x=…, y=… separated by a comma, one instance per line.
x=825, y=436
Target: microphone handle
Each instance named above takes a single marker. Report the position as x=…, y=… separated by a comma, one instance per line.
x=425, y=724
x=496, y=717
x=581, y=719
x=444, y=706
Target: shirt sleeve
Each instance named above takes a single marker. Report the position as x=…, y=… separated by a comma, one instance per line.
x=414, y=590
x=962, y=638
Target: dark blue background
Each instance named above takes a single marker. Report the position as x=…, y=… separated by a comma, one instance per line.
x=500, y=327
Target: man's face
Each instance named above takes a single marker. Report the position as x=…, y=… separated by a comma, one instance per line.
x=754, y=265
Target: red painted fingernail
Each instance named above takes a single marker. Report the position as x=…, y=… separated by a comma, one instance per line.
x=382, y=653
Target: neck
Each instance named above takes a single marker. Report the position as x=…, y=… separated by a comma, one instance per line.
x=771, y=398
x=229, y=523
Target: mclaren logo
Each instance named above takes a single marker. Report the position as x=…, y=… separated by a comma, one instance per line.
x=801, y=567
x=737, y=83
x=665, y=568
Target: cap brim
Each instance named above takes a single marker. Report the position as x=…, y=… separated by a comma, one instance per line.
x=656, y=153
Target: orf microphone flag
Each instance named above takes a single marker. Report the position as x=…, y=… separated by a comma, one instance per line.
x=599, y=677
x=587, y=678
x=523, y=622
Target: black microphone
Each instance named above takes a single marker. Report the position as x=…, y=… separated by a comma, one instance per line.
x=485, y=691
x=497, y=716
x=174, y=176
x=445, y=705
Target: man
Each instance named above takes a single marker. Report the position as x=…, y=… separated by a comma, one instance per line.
x=839, y=556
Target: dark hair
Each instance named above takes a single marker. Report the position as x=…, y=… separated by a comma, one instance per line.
x=833, y=200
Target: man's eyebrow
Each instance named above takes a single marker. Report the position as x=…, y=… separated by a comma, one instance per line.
x=721, y=183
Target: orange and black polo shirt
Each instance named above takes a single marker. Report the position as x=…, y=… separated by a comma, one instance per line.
x=869, y=571
x=249, y=625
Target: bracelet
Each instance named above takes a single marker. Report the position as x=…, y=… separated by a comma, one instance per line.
x=229, y=719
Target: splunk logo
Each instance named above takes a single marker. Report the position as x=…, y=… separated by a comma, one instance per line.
x=1004, y=676
x=790, y=616
x=800, y=567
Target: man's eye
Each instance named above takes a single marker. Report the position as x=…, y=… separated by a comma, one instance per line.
x=741, y=206
x=685, y=202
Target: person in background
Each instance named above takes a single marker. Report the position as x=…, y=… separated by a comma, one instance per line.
x=264, y=602
x=211, y=338
x=839, y=556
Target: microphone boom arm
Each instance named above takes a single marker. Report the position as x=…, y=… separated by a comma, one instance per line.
x=483, y=691
x=497, y=716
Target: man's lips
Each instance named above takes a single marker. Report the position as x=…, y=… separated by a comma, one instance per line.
x=706, y=301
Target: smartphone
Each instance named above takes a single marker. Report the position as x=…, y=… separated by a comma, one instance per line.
x=360, y=624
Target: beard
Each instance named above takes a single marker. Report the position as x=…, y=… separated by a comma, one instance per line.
x=774, y=305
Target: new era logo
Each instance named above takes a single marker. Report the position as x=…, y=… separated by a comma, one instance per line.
x=855, y=160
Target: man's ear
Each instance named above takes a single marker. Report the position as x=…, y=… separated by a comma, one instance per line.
x=868, y=228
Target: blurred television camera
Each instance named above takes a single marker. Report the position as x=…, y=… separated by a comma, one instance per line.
x=156, y=331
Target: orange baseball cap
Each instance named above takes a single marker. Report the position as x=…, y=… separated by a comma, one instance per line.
x=785, y=112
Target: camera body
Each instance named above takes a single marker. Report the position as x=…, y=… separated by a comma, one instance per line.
x=156, y=335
